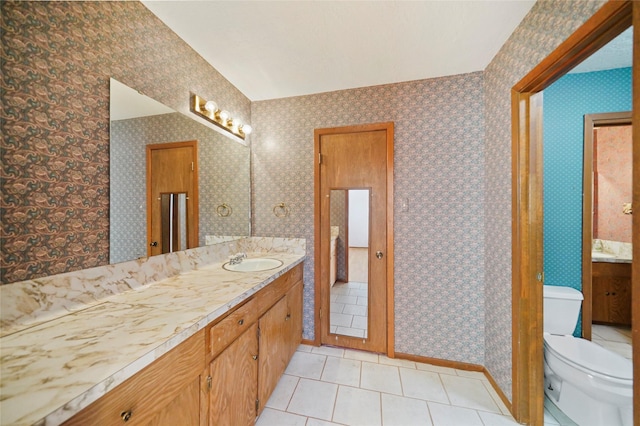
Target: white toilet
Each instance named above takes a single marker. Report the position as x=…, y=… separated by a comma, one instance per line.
x=590, y=384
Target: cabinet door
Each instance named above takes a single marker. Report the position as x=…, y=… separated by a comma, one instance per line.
x=274, y=352
x=294, y=315
x=234, y=377
x=183, y=410
x=600, y=294
x=620, y=301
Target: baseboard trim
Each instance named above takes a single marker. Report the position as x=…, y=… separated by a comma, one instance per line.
x=441, y=362
x=309, y=342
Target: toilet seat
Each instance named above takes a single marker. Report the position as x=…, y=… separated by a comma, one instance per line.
x=586, y=355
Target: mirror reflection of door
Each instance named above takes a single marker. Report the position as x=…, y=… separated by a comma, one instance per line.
x=172, y=197
x=349, y=264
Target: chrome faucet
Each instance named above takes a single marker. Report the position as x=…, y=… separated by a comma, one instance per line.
x=237, y=258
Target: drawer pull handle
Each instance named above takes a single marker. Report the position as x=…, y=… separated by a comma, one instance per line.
x=241, y=322
x=126, y=415
x=255, y=357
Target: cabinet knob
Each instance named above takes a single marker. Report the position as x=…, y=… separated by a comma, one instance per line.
x=241, y=322
x=288, y=317
x=126, y=415
x=255, y=357
x=606, y=293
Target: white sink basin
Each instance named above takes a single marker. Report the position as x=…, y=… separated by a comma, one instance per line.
x=255, y=264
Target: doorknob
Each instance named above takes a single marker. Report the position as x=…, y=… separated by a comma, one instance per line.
x=379, y=254
x=154, y=244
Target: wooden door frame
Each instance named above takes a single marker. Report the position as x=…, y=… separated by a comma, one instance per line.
x=592, y=121
x=192, y=231
x=527, y=344
x=389, y=128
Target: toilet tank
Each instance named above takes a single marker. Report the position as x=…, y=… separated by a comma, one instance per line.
x=561, y=309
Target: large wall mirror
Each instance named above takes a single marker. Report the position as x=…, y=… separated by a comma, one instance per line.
x=223, y=173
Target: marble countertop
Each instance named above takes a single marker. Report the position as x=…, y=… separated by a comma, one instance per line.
x=53, y=370
x=607, y=257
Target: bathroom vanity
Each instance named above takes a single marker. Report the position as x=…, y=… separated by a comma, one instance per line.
x=204, y=347
x=611, y=292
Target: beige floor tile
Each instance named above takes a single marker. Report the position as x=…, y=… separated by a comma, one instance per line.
x=469, y=393
x=314, y=399
x=424, y=385
x=270, y=417
x=283, y=392
x=342, y=371
x=357, y=407
x=402, y=411
x=447, y=415
x=305, y=364
x=382, y=378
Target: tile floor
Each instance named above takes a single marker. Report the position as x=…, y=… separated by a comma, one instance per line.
x=616, y=339
x=334, y=386
x=329, y=386
x=349, y=309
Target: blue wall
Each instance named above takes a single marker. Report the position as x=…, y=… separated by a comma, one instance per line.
x=565, y=104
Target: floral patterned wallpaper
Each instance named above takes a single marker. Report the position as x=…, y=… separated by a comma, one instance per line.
x=614, y=182
x=439, y=246
x=546, y=25
x=57, y=58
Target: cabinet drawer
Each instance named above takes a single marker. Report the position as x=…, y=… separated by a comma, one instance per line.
x=226, y=331
x=269, y=295
x=145, y=395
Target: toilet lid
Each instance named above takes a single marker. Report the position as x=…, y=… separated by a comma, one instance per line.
x=591, y=356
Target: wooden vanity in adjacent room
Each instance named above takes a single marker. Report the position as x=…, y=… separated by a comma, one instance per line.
x=611, y=292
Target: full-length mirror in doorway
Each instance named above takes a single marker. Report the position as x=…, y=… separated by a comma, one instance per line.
x=349, y=262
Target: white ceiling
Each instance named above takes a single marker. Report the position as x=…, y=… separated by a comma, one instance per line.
x=276, y=49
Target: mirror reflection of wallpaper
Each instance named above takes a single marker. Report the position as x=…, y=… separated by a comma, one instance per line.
x=614, y=183
x=338, y=218
x=223, y=178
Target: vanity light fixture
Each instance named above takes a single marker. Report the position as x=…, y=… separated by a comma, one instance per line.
x=210, y=111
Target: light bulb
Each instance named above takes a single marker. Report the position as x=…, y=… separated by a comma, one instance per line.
x=236, y=122
x=224, y=115
x=211, y=106
x=247, y=129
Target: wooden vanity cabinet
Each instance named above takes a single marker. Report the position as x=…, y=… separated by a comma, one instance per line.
x=611, y=292
x=244, y=374
x=167, y=392
x=222, y=375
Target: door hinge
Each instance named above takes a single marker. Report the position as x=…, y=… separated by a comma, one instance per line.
x=209, y=382
x=319, y=158
x=257, y=406
x=192, y=166
x=258, y=332
x=320, y=313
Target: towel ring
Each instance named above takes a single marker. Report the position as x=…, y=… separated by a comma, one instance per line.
x=224, y=210
x=281, y=210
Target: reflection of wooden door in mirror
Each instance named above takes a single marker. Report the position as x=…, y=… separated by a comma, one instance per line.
x=356, y=159
x=171, y=169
